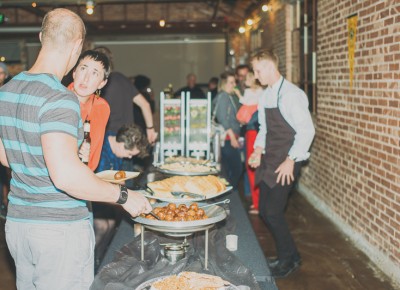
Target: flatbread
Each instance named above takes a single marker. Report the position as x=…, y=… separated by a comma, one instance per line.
x=190, y=281
x=204, y=185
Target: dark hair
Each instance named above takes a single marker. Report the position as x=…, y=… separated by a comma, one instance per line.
x=97, y=56
x=141, y=82
x=132, y=136
x=224, y=76
x=242, y=66
x=107, y=52
x=214, y=80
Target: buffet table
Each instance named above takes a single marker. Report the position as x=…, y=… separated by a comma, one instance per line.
x=249, y=252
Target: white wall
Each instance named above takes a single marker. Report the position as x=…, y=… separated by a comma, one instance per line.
x=168, y=61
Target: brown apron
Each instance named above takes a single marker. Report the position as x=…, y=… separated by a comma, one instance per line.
x=279, y=140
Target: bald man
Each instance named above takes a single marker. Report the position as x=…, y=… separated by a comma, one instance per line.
x=48, y=231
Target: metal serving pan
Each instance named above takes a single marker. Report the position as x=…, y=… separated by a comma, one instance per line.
x=215, y=214
x=148, y=194
x=212, y=169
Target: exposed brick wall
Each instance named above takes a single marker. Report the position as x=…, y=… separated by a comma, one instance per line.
x=355, y=162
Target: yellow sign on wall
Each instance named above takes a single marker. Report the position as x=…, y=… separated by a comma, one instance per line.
x=351, y=43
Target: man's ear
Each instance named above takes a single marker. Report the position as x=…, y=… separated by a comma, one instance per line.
x=77, y=46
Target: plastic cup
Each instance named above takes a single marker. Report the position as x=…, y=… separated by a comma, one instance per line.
x=232, y=242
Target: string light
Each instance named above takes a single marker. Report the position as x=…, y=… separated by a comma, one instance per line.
x=89, y=7
x=162, y=22
x=34, y=4
x=242, y=29
x=265, y=8
x=249, y=22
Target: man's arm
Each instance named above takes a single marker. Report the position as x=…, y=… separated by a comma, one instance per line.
x=3, y=157
x=69, y=174
x=144, y=105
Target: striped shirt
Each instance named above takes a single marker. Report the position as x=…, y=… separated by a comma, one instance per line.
x=32, y=105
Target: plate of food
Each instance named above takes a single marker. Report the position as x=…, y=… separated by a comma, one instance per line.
x=187, y=168
x=183, y=159
x=197, y=188
x=187, y=281
x=117, y=176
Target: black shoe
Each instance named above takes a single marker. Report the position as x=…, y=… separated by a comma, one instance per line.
x=282, y=270
x=272, y=261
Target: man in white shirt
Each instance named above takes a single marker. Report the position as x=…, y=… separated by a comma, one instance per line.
x=285, y=136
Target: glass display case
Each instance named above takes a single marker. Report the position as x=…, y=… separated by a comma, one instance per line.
x=185, y=127
x=198, y=127
x=172, y=124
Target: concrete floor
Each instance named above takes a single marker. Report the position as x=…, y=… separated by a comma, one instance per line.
x=330, y=261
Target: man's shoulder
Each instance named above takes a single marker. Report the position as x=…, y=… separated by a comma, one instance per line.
x=119, y=77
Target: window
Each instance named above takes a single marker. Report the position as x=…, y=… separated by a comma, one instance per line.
x=308, y=49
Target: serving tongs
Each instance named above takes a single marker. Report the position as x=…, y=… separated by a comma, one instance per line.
x=149, y=190
x=225, y=201
x=182, y=194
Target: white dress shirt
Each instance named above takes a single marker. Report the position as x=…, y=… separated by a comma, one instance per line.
x=293, y=105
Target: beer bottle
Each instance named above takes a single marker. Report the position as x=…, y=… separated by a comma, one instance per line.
x=86, y=141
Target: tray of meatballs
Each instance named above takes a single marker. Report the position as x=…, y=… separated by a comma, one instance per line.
x=181, y=217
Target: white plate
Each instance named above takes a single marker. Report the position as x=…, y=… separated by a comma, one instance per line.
x=108, y=175
x=212, y=170
x=147, y=285
x=184, y=199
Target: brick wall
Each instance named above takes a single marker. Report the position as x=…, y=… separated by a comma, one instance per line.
x=354, y=169
x=355, y=163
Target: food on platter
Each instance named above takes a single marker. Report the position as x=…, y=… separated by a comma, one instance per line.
x=120, y=175
x=190, y=281
x=183, y=159
x=178, y=213
x=115, y=176
x=187, y=167
x=203, y=185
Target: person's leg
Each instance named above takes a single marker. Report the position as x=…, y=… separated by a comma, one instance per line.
x=250, y=139
x=53, y=256
x=19, y=250
x=232, y=164
x=272, y=209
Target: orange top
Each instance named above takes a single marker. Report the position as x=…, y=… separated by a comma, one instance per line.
x=97, y=111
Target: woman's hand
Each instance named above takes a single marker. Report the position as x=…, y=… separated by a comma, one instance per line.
x=254, y=159
x=232, y=137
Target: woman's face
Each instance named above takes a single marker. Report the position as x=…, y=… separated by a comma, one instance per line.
x=250, y=79
x=88, y=77
x=230, y=84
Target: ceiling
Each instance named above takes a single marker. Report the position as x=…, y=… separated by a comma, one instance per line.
x=113, y=17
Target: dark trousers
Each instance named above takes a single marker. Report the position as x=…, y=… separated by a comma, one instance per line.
x=231, y=164
x=272, y=210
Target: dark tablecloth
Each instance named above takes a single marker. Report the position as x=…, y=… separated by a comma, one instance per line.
x=249, y=252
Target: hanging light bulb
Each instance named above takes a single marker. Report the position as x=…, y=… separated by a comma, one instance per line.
x=89, y=7
x=265, y=8
x=162, y=22
x=242, y=29
x=249, y=21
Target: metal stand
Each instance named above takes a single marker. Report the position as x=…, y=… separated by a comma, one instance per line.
x=205, y=243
